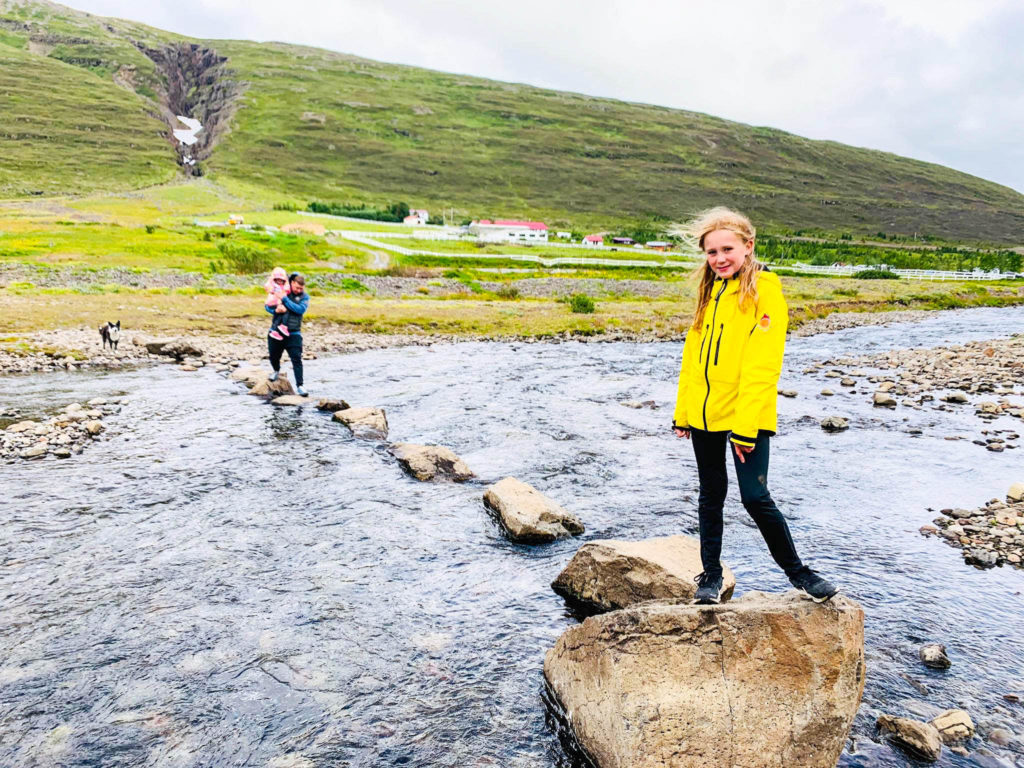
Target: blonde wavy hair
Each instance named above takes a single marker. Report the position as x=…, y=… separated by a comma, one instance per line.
x=694, y=233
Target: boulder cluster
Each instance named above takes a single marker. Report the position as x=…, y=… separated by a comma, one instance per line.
x=62, y=435
x=655, y=680
x=990, y=535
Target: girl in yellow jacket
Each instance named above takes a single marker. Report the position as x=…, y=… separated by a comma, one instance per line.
x=732, y=359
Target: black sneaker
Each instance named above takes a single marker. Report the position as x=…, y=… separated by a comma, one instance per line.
x=709, y=588
x=818, y=588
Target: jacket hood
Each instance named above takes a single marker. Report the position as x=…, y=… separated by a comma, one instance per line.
x=278, y=273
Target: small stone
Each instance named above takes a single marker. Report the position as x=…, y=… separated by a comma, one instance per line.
x=331, y=405
x=934, y=655
x=884, y=400
x=955, y=397
x=188, y=368
x=93, y=427
x=827, y=392
x=1016, y=492
x=920, y=739
x=834, y=424
x=954, y=725
x=36, y=451
x=788, y=392
x=1000, y=736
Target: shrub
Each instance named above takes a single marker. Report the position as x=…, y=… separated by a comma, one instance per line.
x=876, y=274
x=351, y=284
x=150, y=229
x=508, y=292
x=246, y=260
x=846, y=292
x=581, y=304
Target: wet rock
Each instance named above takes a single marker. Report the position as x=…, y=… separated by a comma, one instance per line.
x=828, y=393
x=93, y=427
x=297, y=400
x=953, y=725
x=22, y=426
x=267, y=388
x=788, y=392
x=527, y=514
x=766, y=680
x=955, y=397
x=607, y=574
x=34, y=452
x=934, y=655
x=1016, y=492
x=983, y=558
x=176, y=348
x=188, y=368
x=430, y=462
x=921, y=740
x=331, y=405
x=884, y=400
x=367, y=423
x=834, y=424
x=1000, y=737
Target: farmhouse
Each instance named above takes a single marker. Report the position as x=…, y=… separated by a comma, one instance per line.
x=623, y=240
x=593, y=240
x=509, y=231
x=659, y=245
x=416, y=216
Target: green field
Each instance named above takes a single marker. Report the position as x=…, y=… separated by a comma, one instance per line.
x=311, y=124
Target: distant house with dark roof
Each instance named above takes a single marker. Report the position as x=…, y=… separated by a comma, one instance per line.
x=623, y=240
x=659, y=245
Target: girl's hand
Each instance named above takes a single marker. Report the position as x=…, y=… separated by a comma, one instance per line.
x=281, y=309
x=742, y=451
x=681, y=432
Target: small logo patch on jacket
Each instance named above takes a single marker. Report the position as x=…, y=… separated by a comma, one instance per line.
x=765, y=322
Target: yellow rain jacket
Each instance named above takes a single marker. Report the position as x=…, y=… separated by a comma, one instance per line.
x=731, y=365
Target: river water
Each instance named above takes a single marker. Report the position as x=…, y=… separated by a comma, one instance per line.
x=219, y=582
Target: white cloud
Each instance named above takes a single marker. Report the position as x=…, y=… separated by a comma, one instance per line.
x=934, y=79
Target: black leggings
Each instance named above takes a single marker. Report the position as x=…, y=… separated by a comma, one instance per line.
x=293, y=344
x=752, y=475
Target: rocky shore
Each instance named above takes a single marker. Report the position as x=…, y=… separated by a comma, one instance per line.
x=990, y=535
x=986, y=377
x=62, y=435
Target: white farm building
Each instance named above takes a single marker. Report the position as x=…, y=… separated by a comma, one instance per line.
x=417, y=216
x=509, y=231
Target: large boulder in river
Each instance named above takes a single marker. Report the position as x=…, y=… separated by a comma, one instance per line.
x=430, y=462
x=297, y=400
x=368, y=423
x=527, y=514
x=607, y=574
x=953, y=725
x=765, y=681
x=1016, y=492
x=176, y=348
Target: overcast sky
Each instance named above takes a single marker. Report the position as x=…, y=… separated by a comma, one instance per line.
x=938, y=80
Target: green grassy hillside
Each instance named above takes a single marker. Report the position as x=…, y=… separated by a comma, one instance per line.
x=309, y=123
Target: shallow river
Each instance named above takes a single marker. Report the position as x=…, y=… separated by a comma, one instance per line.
x=219, y=582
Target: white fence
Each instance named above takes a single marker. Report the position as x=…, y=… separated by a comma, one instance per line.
x=557, y=261
x=910, y=274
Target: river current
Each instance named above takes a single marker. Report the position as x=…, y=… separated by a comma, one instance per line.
x=219, y=582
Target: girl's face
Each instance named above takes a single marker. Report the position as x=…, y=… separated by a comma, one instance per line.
x=726, y=252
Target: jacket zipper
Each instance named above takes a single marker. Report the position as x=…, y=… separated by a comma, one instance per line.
x=721, y=330
x=707, y=362
x=700, y=357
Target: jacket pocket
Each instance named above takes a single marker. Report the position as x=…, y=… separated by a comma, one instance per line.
x=718, y=345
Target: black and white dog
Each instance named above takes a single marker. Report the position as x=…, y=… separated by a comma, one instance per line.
x=110, y=333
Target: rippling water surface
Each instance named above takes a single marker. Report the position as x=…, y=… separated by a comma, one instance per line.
x=221, y=582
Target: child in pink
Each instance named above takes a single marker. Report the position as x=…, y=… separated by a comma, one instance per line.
x=276, y=287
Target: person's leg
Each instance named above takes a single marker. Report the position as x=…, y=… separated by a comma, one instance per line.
x=275, y=347
x=709, y=450
x=294, y=347
x=752, y=476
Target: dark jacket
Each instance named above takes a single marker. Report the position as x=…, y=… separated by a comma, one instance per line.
x=296, y=306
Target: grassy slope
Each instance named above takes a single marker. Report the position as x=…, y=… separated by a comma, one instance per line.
x=394, y=132
x=320, y=124
x=68, y=130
